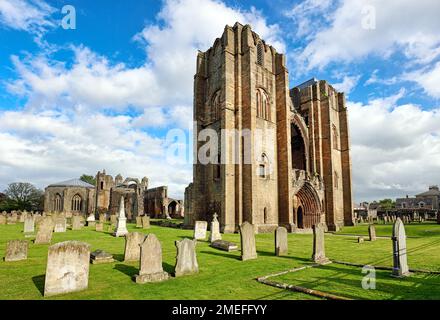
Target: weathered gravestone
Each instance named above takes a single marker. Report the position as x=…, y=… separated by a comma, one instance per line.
x=224, y=245
x=102, y=217
x=319, y=244
x=145, y=222
x=281, y=248
x=76, y=223
x=133, y=240
x=121, y=222
x=99, y=227
x=60, y=224
x=186, y=260
x=44, y=231
x=67, y=268
x=23, y=216
x=29, y=224
x=151, y=269
x=16, y=250
x=247, y=237
x=200, y=230
x=400, y=263
x=100, y=256
x=91, y=220
x=138, y=222
x=215, y=229
x=2, y=219
x=360, y=239
x=113, y=219
x=10, y=219
x=372, y=232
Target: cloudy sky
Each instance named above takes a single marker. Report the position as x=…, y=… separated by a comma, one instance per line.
x=105, y=94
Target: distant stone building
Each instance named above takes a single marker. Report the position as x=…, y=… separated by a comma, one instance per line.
x=426, y=200
x=71, y=197
x=287, y=161
x=78, y=197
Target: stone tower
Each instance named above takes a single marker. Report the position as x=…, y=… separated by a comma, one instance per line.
x=274, y=153
x=104, y=184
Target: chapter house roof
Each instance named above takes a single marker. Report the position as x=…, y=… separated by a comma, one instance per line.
x=72, y=183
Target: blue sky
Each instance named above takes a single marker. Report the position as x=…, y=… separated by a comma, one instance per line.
x=105, y=94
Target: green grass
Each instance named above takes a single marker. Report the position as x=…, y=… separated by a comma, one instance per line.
x=222, y=275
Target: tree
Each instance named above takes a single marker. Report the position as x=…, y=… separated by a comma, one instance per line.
x=88, y=179
x=23, y=196
x=387, y=204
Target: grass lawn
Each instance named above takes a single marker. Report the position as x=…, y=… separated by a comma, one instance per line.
x=222, y=275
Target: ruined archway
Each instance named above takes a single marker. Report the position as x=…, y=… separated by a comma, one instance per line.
x=172, y=208
x=308, y=207
x=298, y=148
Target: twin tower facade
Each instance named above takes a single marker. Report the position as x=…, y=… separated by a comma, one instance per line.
x=282, y=156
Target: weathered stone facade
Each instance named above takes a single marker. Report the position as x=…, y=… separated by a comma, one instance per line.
x=159, y=205
x=284, y=155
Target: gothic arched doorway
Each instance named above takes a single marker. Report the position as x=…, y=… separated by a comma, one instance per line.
x=309, y=207
x=172, y=208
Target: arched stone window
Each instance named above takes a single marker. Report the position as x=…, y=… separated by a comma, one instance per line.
x=263, y=105
x=260, y=54
x=421, y=204
x=336, y=178
x=215, y=105
x=335, y=137
x=58, y=204
x=263, y=168
x=77, y=203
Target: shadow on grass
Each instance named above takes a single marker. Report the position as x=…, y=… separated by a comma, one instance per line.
x=227, y=255
x=39, y=283
x=128, y=270
x=119, y=257
x=168, y=268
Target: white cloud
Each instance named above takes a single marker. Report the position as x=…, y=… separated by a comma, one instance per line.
x=395, y=148
x=345, y=39
x=33, y=16
x=428, y=78
x=375, y=79
x=348, y=83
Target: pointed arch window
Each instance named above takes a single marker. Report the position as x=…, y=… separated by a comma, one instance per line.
x=263, y=167
x=263, y=105
x=260, y=54
x=215, y=105
x=77, y=203
x=58, y=205
x=335, y=137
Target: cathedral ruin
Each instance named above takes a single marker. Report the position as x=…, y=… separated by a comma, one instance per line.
x=297, y=141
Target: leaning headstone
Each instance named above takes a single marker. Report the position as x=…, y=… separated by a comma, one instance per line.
x=67, y=268
x=29, y=224
x=151, y=269
x=100, y=256
x=145, y=222
x=121, y=222
x=138, y=222
x=186, y=260
x=76, y=223
x=400, y=263
x=215, y=229
x=281, y=241
x=2, y=219
x=319, y=244
x=16, y=250
x=372, y=232
x=99, y=227
x=44, y=231
x=247, y=237
x=60, y=224
x=224, y=245
x=133, y=240
x=200, y=230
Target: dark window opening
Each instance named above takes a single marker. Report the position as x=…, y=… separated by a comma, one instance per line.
x=298, y=149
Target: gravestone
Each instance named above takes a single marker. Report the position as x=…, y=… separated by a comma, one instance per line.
x=23, y=216
x=91, y=220
x=186, y=260
x=44, y=231
x=10, y=219
x=37, y=218
x=113, y=219
x=67, y=268
x=76, y=223
x=151, y=269
x=372, y=232
x=2, y=219
x=29, y=224
x=138, y=222
x=360, y=239
x=247, y=237
x=145, y=222
x=16, y=250
x=121, y=221
x=133, y=240
x=319, y=244
x=101, y=217
x=99, y=227
x=400, y=263
x=60, y=224
x=224, y=245
x=100, y=256
x=200, y=230
x=281, y=248
x=215, y=229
